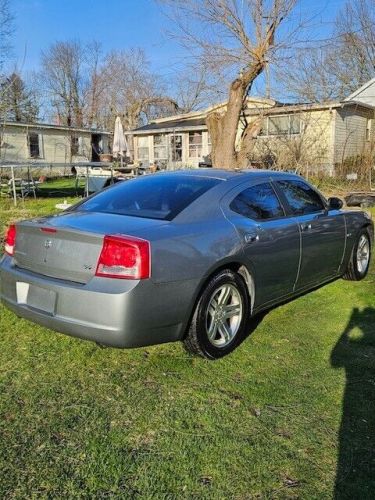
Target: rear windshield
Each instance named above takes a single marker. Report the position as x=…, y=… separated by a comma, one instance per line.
x=160, y=196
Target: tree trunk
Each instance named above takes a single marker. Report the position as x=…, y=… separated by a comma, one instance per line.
x=223, y=126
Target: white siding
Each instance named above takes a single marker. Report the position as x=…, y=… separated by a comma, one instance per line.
x=350, y=132
x=311, y=149
x=54, y=144
x=365, y=94
x=13, y=144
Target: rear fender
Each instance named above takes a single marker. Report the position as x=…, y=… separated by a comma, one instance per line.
x=236, y=266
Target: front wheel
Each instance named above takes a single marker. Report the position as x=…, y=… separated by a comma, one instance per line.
x=220, y=318
x=360, y=259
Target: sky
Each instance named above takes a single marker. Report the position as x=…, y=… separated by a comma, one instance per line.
x=118, y=24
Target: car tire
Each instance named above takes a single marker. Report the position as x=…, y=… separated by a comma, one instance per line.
x=221, y=317
x=360, y=258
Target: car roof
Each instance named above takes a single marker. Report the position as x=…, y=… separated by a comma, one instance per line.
x=212, y=173
x=208, y=204
x=215, y=173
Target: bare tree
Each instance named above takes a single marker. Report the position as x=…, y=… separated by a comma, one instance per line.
x=354, y=58
x=95, y=85
x=63, y=78
x=333, y=68
x=308, y=77
x=194, y=88
x=129, y=89
x=237, y=36
x=87, y=88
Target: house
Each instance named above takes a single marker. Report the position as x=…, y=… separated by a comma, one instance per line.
x=176, y=141
x=317, y=136
x=50, y=144
x=314, y=137
x=179, y=140
x=365, y=94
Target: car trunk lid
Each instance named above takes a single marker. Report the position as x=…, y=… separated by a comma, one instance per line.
x=68, y=246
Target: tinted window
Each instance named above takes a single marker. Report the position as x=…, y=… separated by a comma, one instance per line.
x=160, y=196
x=302, y=199
x=258, y=202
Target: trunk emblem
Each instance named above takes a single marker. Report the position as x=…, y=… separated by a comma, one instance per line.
x=47, y=244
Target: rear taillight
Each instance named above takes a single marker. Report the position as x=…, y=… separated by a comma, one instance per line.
x=124, y=257
x=10, y=240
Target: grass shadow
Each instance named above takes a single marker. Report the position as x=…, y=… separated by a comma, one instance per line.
x=58, y=192
x=355, y=352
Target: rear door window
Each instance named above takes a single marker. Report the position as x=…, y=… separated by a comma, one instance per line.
x=160, y=196
x=301, y=197
x=258, y=202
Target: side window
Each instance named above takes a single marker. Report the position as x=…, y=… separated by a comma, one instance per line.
x=301, y=198
x=34, y=145
x=257, y=202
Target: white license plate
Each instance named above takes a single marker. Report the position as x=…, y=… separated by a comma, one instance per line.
x=36, y=297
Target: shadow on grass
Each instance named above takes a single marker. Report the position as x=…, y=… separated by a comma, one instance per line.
x=253, y=325
x=59, y=192
x=355, y=351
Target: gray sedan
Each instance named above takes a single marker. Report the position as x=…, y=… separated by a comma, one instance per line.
x=191, y=255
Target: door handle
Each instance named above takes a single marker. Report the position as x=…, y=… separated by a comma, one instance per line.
x=306, y=226
x=251, y=237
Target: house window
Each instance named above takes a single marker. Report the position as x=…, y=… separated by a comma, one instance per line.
x=160, y=147
x=142, y=152
x=76, y=145
x=368, y=130
x=34, y=145
x=195, y=144
x=209, y=143
x=278, y=125
x=294, y=124
x=176, y=147
x=281, y=125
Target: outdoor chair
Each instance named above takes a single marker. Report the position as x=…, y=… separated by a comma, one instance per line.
x=22, y=188
x=4, y=189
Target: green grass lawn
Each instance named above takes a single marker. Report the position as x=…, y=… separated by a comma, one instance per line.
x=292, y=407
x=65, y=186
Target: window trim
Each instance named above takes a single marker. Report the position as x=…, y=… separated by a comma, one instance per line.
x=75, y=145
x=198, y=148
x=266, y=133
x=142, y=149
x=40, y=145
x=246, y=186
x=368, y=129
x=174, y=148
x=162, y=146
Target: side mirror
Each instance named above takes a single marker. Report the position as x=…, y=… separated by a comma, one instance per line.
x=335, y=203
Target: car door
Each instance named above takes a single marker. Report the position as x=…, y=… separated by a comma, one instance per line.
x=322, y=232
x=270, y=239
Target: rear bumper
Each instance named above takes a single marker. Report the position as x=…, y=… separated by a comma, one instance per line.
x=119, y=313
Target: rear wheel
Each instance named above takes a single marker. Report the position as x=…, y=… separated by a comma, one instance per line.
x=360, y=259
x=220, y=318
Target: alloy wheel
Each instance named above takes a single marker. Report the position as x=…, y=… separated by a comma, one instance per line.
x=224, y=315
x=363, y=254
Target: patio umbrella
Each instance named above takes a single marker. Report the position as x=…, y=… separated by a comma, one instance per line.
x=119, y=142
